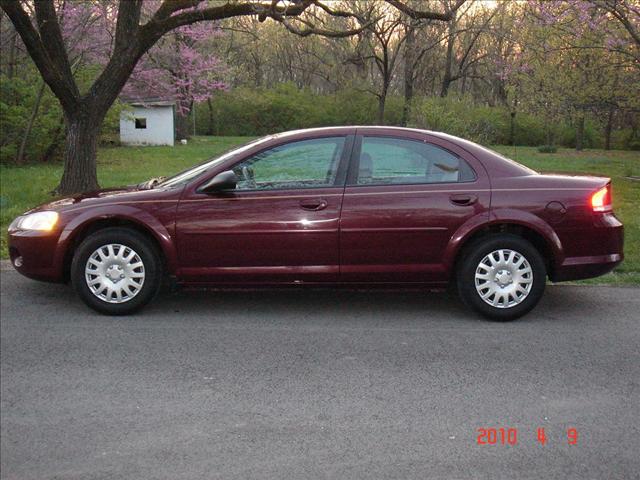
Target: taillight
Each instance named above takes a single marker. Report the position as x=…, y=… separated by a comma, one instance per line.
x=601, y=200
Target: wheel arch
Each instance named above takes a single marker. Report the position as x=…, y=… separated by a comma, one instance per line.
x=522, y=224
x=138, y=220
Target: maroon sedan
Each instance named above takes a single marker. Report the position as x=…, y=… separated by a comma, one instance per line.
x=348, y=206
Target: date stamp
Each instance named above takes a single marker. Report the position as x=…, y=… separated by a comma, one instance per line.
x=510, y=436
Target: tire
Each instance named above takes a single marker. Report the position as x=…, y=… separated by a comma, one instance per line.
x=512, y=282
x=109, y=257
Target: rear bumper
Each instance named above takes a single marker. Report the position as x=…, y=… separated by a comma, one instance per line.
x=578, y=268
x=598, y=250
x=33, y=254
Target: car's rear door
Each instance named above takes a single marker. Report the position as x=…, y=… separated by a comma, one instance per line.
x=280, y=224
x=407, y=193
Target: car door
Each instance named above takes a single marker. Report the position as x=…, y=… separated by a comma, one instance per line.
x=406, y=195
x=280, y=223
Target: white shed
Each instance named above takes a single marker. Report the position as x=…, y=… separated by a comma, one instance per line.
x=148, y=123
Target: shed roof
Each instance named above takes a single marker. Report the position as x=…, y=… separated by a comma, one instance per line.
x=150, y=102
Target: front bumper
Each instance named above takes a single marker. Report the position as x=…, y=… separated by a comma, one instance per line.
x=33, y=254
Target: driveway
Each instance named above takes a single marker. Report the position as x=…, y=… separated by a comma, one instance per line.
x=317, y=384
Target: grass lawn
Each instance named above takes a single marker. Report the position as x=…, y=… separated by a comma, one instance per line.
x=24, y=187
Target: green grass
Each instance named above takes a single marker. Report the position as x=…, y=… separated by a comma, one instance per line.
x=24, y=187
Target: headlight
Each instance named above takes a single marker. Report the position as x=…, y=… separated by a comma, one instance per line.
x=42, y=221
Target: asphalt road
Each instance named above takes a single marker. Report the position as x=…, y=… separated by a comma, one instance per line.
x=309, y=384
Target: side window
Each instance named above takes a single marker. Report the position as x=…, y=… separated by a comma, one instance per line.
x=303, y=164
x=388, y=161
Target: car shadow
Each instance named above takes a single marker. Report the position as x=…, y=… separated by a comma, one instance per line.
x=373, y=308
x=320, y=307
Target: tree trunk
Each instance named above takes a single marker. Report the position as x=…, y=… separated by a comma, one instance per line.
x=382, y=100
x=608, y=128
x=211, y=117
x=183, y=126
x=29, y=127
x=580, y=132
x=408, y=99
x=258, y=74
x=512, y=128
x=446, y=80
x=83, y=129
x=11, y=67
x=409, y=66
x=549, y=132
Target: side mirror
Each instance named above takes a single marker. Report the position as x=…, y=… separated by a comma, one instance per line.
x=226, y=180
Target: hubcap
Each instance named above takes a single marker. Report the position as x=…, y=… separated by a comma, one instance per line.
x=114, y=273
x=504, y=278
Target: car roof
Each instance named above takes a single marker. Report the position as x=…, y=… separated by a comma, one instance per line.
x=347, y=128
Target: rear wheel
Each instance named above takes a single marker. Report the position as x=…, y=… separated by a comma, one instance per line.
x=501, y=276
x=116, y=271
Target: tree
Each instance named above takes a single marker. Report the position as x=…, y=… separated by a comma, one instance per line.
x=574, y=62
x=626, y=12
x=421, y=37
x=383, y=39
x=462, y=42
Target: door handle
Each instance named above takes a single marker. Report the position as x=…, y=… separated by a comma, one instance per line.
x=314, y=204
x=463, y=199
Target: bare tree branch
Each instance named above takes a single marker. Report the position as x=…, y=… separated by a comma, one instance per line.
x=127, y=23
x=615, y=8
x=51, y=36
x=426, y=14
x=169, y=7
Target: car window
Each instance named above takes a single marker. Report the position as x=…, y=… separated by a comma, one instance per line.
x=303, y=164
x=386, y=160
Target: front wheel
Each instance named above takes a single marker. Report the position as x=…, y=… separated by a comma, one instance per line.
x=502, y=277
x=116, y=271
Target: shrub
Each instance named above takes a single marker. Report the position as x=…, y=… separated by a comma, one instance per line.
x=462, y=117
x=253, y=112
x=529, y=130
x=547, y=149
x=592, y=137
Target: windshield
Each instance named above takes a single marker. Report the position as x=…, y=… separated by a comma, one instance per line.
x=187, y=175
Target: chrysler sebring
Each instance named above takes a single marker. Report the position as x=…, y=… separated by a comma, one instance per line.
x=347, y=206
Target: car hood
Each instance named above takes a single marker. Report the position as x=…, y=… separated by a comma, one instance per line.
x=106, y=196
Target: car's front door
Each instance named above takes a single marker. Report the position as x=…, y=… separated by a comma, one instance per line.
x=280, y=223
x=407, y=193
